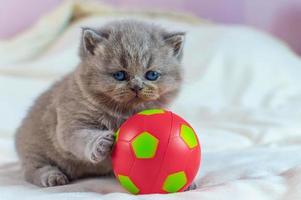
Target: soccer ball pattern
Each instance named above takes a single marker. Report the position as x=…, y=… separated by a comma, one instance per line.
x=156, y=151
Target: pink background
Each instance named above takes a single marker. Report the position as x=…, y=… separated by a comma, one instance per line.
x=279, y=17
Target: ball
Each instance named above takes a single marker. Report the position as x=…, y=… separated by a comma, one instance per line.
x=156, y=151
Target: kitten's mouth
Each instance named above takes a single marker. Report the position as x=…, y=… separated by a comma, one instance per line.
x=138, y=98
x=136, y=95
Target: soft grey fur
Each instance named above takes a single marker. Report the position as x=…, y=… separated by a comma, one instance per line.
x=68, y=132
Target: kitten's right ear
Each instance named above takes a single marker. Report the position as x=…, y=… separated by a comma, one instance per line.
x=176, y=42
x=91, y=39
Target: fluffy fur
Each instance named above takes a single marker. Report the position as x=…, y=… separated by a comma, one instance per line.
x=68, y=132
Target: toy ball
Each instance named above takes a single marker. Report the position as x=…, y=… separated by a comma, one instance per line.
x=156, y=151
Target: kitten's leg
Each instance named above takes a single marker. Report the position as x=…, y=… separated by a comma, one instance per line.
x=100, y=148
x=87, y=144
x=44, y=175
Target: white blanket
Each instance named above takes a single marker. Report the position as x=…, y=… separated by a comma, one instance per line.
x=242, y=94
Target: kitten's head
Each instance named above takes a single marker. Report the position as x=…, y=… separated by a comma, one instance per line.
x=131, y=62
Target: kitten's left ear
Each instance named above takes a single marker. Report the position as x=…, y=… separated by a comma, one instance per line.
x=176, y=42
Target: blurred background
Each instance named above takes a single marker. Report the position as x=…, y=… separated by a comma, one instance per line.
x=282, y=18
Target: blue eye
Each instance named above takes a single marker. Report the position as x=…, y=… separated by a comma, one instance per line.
x=152, y=75
x=120, y=75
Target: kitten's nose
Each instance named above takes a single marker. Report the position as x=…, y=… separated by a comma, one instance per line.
x=136, y=84
x=136, y=88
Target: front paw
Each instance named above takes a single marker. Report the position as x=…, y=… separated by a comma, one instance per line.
x=101, y=148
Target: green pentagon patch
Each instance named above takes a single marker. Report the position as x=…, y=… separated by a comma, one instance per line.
x=189, y=137
x=128, y=184
x=145, y=145
x=151, y=112
x=174, y=182
x=116, y=135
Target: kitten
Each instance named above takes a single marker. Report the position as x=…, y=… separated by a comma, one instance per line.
x=126, y=66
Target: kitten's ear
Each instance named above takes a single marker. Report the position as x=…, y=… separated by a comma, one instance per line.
x=91, y=39
x=176, y=42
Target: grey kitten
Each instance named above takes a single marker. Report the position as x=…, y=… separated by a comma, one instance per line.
x=126, y=66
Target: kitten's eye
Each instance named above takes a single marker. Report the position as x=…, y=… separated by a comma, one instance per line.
x=120, y=75
x=152, y=75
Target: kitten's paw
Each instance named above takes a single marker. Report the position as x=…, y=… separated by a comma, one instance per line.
x=53, y=178
x=102, y=146
x=193, y=186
